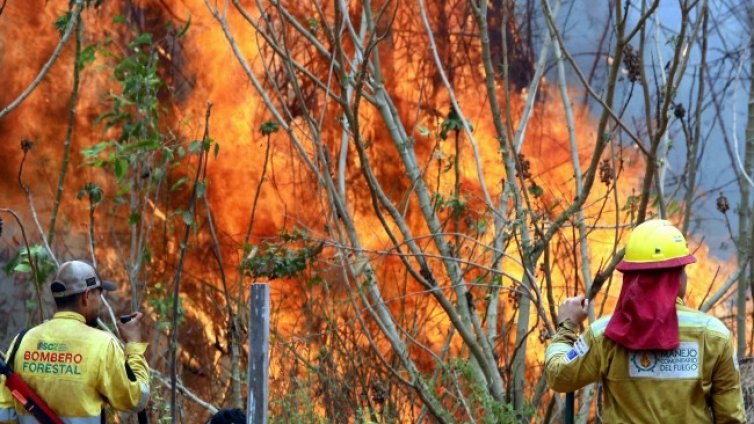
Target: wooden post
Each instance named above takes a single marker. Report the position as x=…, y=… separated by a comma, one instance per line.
x=259, y=359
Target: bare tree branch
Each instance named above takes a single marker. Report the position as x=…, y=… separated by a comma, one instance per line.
x=78, y=7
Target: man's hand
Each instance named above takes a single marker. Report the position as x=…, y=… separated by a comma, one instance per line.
x=575, y=309
x=131, y=331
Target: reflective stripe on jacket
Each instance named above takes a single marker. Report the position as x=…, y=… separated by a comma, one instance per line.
x=697, y=383
x=76, y=370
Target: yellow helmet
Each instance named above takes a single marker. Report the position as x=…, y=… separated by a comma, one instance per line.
x=655, y=244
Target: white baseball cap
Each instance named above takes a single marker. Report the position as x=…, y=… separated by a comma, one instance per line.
x=75, y=277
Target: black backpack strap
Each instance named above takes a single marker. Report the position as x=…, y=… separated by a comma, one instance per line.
x=130, y=373
x=12, y=356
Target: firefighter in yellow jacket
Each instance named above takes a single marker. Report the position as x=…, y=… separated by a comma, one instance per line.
x=75, y=368
x=658, y=360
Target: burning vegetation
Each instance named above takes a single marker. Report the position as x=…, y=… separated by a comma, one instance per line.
x=419, y=182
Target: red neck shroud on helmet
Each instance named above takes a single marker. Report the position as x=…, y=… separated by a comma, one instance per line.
x=645, y=317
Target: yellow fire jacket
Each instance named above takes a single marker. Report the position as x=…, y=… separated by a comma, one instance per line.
x=76, y=369
x=697, y=383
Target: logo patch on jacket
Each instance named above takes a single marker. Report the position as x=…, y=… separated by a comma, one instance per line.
x=683, y=362
x=580, y=348
x=52, y=358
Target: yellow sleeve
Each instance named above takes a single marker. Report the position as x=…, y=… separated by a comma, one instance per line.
x=7, y=407
x=7, y=404
x=124, y=393
x=727, y=399
x=571, y=362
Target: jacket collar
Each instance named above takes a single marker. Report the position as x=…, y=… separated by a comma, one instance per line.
x=69, y=315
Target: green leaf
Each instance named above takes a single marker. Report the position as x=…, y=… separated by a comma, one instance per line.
x=217, y=149
x=94, y=151
x=87, y=56
x=145, y=38
x=134, y=218
x=672, y=207
x=188, y=219
x=62, y=22
x=423, y=131
x=8, y=268
x=201, y=189
x=93, y=191
x=167, y=154
x=452, y=123
x=481, y=225
x=22, y=267
x=315, y=280
x=178, y=183
x=121, y=167
x=125, y=188
x=181, y=152
x=185, y=28
x=104, y=117
x=99, y=163
x=631, y=201
x=120, y=19
x=37, y=251
x=536, y=190
x=195, y=146
x=96, y=196
x=147, y=145
x=313, y=24
x=269, y=127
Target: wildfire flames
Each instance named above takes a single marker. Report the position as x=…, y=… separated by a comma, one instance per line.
x=199, y=67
